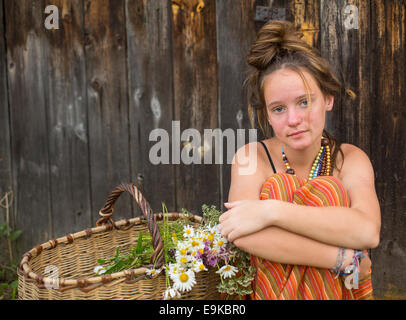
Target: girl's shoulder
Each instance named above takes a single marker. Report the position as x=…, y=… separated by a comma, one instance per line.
x=354, y=159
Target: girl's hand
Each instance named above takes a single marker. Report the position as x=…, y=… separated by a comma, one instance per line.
x=245, y=217
x=365, y=267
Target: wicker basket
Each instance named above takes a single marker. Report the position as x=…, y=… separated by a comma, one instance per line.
x=63, y=268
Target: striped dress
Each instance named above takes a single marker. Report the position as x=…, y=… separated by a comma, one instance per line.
x=276, y=281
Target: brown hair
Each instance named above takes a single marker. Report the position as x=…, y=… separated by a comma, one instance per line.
x=279, y=45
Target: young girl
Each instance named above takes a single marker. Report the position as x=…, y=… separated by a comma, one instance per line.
x=309, y=211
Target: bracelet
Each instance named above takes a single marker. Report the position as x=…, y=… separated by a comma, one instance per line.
x=339, y=263
x=352, y=271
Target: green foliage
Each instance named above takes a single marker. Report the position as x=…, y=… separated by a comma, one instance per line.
x=238, y=285
x=8, y=277
x=210, y=215
x=141, y=254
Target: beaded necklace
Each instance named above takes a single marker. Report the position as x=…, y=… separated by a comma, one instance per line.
x=321, y=165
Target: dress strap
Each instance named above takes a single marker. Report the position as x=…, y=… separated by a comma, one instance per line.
x=269, y=156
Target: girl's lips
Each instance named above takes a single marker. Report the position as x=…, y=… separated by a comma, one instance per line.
x=296, y=133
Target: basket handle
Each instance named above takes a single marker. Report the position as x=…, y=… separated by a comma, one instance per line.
x=157, y=258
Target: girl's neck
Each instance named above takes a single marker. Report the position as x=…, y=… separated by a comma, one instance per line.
x=302, y=160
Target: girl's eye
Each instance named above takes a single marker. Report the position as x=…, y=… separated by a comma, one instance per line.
x=278, y=109
x=304, y=103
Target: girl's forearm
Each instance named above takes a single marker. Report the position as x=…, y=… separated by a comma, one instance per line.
x=337, y=226
x=282, y=246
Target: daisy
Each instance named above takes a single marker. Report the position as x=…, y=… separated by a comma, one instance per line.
x=184, y=280
x=227, y=271
x=152, y=272
x=171, y=293
x=198, y=266
x=172, y=269
x=182, y=259
x=220, y=242
x=99, y=270
x=188, y=231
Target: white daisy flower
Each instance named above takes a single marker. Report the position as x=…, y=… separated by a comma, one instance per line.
x=99, y=270
x=198, y=266
x=153, y=272
x=173, y=269
x=188, y=231
x=220, y=242
x=184, y=280
x=171, y=293
x=227, y=271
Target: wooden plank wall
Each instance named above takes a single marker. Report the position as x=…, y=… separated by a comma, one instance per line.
x=78, y=104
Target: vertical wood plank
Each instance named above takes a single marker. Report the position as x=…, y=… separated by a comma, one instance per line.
x=27, y=68
x=306, y=17
x=235, y=34
x=388, y=25
x=195, y=95
x=108, y=114
x=67, y=120
x=5, y=153
x=349, y=52
x=149, y=38
x=6, y=184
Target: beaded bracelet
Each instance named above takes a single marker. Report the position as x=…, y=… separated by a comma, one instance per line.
x=352, y=271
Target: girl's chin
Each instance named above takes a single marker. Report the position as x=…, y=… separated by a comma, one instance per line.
x=301, y=144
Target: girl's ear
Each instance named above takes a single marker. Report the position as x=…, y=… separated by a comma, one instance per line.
x=329, y=102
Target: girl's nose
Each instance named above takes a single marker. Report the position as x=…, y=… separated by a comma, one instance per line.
x=294, y=117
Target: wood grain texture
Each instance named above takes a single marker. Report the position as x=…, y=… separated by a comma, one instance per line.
x=149, y=35
x=388, y=107
x=107, y=98
x=27, y=67
x=195, y=96
x=6, y=182
x=67, y=121
x=349, y=52
x=5, y=151
x=235, y=34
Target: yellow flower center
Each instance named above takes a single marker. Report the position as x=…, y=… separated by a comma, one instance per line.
x=201, y=251
x=183, y=251
x=220, y=243
x=184, y=277
x=183, y=260
x=227, y=268
x=210, y=237
x=195, y=243
x=188, y=231
x=201, y=267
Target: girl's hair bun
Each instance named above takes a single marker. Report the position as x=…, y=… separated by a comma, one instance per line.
x=275, y=39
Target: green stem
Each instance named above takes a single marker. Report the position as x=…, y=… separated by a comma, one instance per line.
x=221, y=278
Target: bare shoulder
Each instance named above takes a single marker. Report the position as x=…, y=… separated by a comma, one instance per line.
x=247, y=174
x=356, y=164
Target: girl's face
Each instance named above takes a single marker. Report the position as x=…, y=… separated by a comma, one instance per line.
x=295, y=123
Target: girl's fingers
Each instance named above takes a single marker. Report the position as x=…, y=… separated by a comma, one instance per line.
x=230, y=205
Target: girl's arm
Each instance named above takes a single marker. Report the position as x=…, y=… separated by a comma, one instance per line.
x=274, y=243
x=355, y=227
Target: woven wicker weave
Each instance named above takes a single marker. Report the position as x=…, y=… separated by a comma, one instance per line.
x=63, y=268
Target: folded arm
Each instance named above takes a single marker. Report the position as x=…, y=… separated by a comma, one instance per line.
x=355, y=227
x=273, y=242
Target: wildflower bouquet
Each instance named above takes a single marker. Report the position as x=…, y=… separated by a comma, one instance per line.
x=189, y=250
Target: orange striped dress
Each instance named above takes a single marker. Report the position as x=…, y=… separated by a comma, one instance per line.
x=276, y=281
